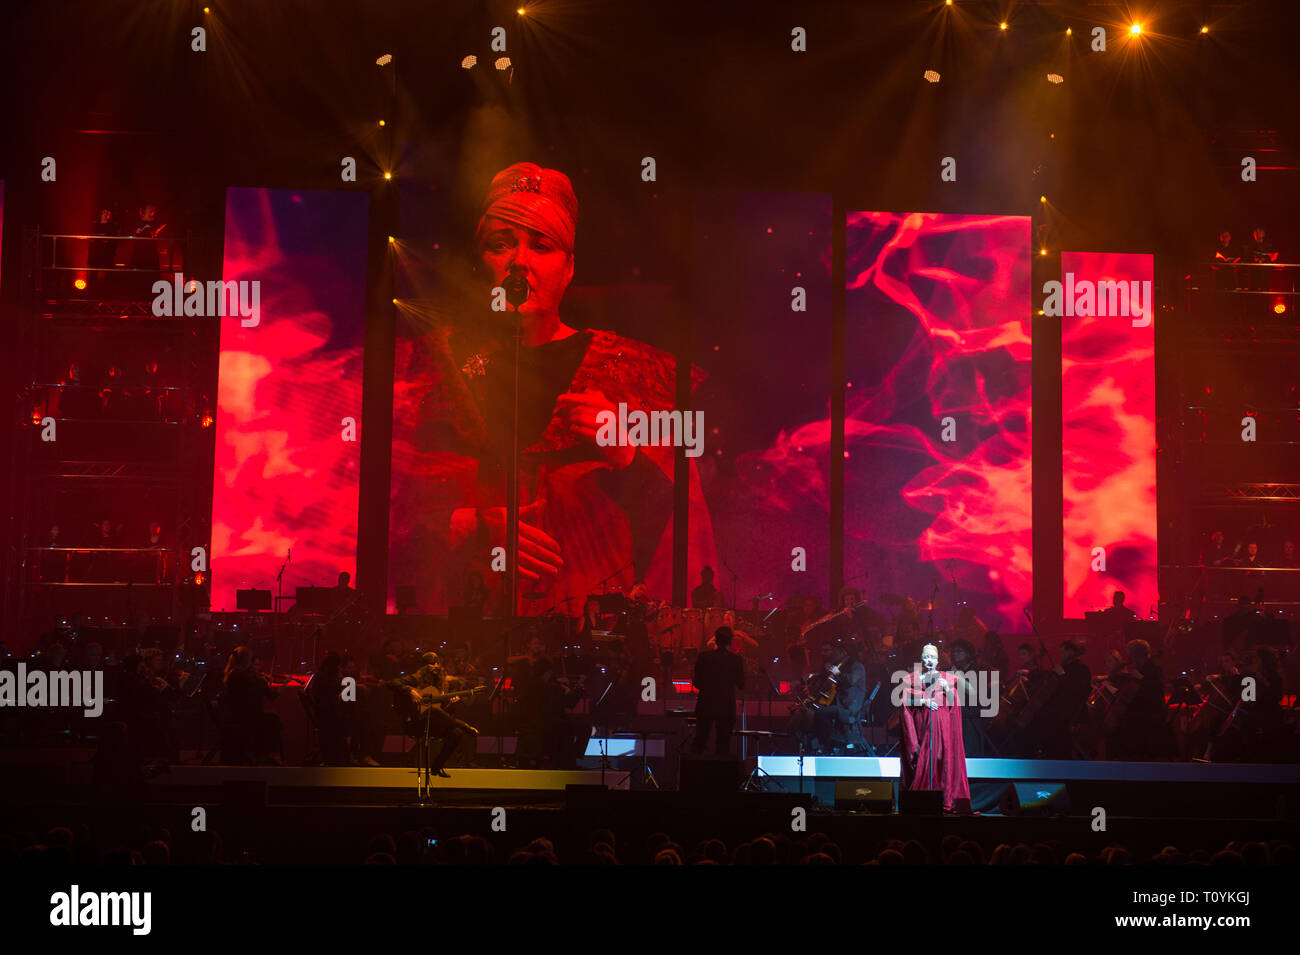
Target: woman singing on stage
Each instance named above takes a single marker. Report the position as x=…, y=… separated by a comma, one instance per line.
x=930, y=720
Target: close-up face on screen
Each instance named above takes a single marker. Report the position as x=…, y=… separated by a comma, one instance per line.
x=580, y=433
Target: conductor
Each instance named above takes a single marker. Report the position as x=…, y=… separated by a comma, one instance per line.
x=718, y=675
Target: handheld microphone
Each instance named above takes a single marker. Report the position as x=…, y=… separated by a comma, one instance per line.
x=517, y=290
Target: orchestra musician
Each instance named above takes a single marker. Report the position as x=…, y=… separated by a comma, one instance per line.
x=549, y=736
x=1141, y=728
x=840, y=723
x=427, y=715
x=740, y=639
x=1073, y=686
x=592, y=621
x=249, y=731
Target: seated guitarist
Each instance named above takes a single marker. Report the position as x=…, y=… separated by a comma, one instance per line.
x=422, y=704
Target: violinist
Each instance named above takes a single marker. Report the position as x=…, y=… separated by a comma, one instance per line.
x=558, y=742
x=993, y=656
x=740, y=639
x=144, y=706
x=1028, y=668
x=962, y=653
x=1141, y=727
x=1073, y=686
x=248, y=729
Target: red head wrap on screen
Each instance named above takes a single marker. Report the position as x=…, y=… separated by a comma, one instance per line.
x=534, y=198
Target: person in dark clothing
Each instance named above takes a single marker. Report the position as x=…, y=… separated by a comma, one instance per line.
x=1115, y=619
x=840, y=723
x=249, y=732
x=706, y=594
x=718, y=675
x=423, y=705
x=551, y=700
x=325, y=691
x=1073, y=687
x=962, y=656
x=1145, y=732
x=1260, y=250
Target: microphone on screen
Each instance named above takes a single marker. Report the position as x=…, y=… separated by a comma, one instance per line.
x=517, y=290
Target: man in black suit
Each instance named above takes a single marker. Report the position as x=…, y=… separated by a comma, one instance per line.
x=718, y=675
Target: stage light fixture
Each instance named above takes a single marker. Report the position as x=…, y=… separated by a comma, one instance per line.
x=80, y=285
x=382, y=123
x=207, y=421
x=1042, y=198
x=394, y=301
x=206, y=10
x=384, y=60
x=502, y=63
x=1135, y=29
x=391, y=240
x=1055, y=78
x=469, y=62
x=1002, y=25
x=388, y=175
x=1205, y=29
x=1069, y=32
x=1279, y=306
x=931, y=76
x=198, y=579
x=1042, y=252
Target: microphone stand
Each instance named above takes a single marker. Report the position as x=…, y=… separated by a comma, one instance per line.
x=735, y=585
x=956, y=595
x=275, y=619
x=604, y=584
x=512, y=477
x=513, y=289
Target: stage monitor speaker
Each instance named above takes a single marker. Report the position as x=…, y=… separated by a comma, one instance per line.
x=865, y=795
x=920, y=802
x=701, y=775
x=1035, y=799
